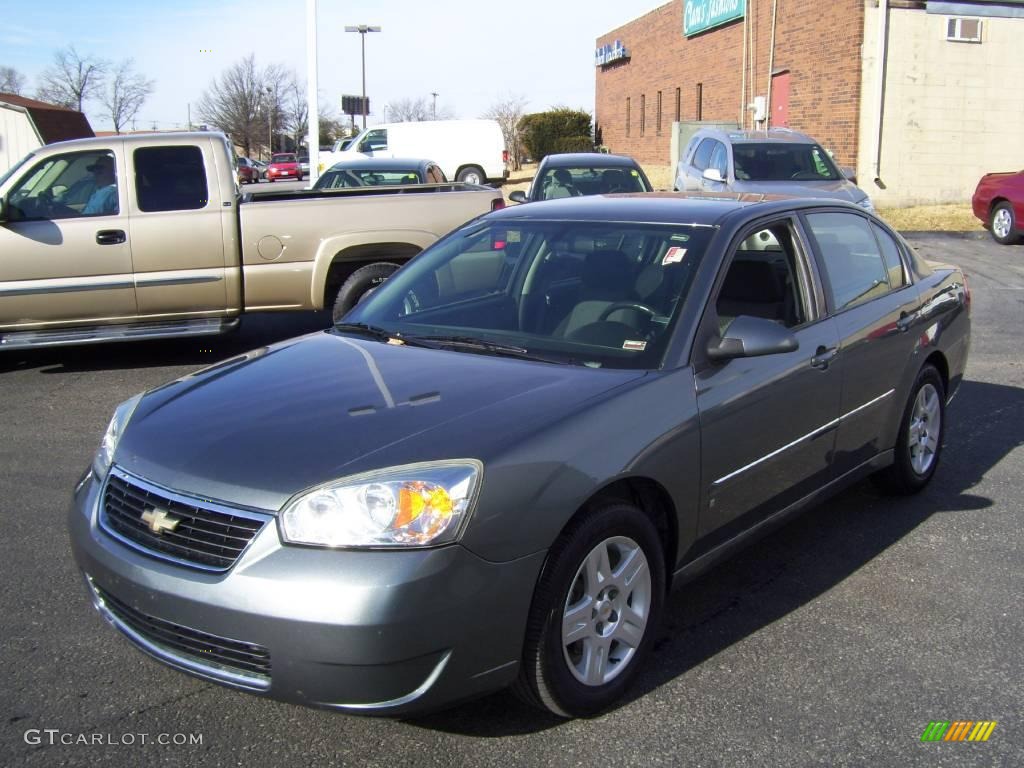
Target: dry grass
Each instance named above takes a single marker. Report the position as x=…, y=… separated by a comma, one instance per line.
x=921, y=218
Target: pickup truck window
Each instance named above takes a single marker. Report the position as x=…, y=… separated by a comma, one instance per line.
x=170, y=179
x=67, y=186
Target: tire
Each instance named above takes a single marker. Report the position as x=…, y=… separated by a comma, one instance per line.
x=569, y=677
x=919, y=443
x=358, y=285
x=1003, y=224
x=471, y=174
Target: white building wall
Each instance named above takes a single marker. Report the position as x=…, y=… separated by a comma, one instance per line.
x=953, y=111
x=18, y=136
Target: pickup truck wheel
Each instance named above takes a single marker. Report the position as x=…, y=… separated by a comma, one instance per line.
x=471, y=175
x=359, y=284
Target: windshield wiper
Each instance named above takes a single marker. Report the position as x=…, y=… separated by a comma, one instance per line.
x=488, y=347
x=382, y=334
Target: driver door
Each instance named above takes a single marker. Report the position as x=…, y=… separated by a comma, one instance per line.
x=58, y=264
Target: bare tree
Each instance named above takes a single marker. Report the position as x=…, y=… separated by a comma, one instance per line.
x=125, y=95
x=72, y=78
x=11, y=81
x=242, y=102
x=416, y=110
x=509, y=113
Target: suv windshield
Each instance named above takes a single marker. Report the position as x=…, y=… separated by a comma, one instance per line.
x=592, y=293
x=783, y=162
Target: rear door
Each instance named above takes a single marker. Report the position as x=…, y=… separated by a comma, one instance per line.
x=767, y=423
x=65, y=256
x=177, y=228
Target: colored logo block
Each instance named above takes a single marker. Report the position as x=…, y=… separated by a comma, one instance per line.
x=959, y=730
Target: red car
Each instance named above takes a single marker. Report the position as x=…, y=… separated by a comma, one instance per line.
x=284, y=166
x=999, y=203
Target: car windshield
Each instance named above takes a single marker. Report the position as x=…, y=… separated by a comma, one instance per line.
x=283, y=159
x=590, y=180
x=336, y=178
x=593, y=293
x=783, y=162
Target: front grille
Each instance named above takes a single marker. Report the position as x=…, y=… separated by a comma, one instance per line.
x=199, y=647
x=207, y=535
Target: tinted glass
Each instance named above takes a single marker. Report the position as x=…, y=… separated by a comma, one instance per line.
x=891, y=257
x=775, y=161
x=850, y=256
x=170, y=179
x=702, y=157
x=600, y=294
x=283, y=159
x=590, y=180
x=336, y=178
x=67, y=186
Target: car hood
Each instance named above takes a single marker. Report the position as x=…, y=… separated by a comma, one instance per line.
x=841, y=189
x=261, y=427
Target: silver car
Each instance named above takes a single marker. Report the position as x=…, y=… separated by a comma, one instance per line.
x=776, y=161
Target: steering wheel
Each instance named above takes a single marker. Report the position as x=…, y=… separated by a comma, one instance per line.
x=642, y=308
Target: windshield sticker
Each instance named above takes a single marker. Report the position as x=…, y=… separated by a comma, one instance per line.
x=513, y=235
x=639, y=346
x=680, y=238
x=673, y=255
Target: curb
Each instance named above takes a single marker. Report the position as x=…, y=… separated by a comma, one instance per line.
x=940, y=233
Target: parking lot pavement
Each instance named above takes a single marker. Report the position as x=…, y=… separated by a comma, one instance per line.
x=834, y=641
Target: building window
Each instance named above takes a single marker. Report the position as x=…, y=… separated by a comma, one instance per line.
x=643, y=113
x=627, y=115
x=657, y=115
x=679, y=104
x=700, y=101
x=964, y=30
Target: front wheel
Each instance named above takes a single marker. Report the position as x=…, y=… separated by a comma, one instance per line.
x=1004, y=224
x=594, y=614
x=471, y=175
x=359, y=285
x=919, y=443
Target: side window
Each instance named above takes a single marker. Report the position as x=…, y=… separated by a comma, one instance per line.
x=891, y=256
x=434, y=175
x=765, y=279
x=170, y=179
x=850, y=257
x=67, y=186
x=720, y=159
x=375, y=140
x=702, y=157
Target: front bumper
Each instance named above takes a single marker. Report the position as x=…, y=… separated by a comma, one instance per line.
x=388, y=632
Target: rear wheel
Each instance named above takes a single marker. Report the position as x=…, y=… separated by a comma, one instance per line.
x=358, y=285
x=594, y=614
x=919, y=444
x=471, y=175
x=1004, y=224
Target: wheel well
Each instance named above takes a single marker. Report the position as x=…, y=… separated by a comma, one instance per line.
x=348, y=261
x=471, y=165
x=939, y=361
x=992, y=205
x=654, y=501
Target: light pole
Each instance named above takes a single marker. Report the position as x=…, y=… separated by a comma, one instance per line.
x=362, y=29
x=270, y=121
x=433, y=115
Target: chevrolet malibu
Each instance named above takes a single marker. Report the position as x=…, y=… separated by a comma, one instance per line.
x=491, y=471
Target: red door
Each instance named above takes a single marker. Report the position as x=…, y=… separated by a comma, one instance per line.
x=779, y=117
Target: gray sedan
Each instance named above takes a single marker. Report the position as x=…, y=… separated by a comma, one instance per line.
x=491, y=472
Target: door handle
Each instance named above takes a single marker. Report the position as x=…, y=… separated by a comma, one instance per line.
x=110, y=236
x=906, y=320
x=823, y=356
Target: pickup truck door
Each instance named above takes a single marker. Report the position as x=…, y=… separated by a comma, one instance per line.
x=178, y=230
x=65, y=255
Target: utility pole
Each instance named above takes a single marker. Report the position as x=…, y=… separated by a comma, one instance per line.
x=362, y=29
x=433, y=114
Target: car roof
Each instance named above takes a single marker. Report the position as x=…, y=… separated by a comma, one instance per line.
x=706, y=209
x=772, y=135
x=587, y=159
x=382, y=163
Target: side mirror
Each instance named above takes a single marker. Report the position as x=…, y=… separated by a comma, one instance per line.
x=713, y=174
x=518, y=196
x=751, y=337
x=849, y=173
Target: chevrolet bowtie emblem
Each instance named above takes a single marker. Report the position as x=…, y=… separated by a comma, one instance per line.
x=159, y=520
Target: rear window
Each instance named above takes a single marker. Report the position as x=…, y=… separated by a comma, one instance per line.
x=283, y=159
x=170, y=179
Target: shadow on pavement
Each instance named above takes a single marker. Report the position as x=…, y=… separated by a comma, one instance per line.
x=795, y=564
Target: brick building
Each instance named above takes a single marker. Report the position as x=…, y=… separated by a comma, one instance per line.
x=951, y=77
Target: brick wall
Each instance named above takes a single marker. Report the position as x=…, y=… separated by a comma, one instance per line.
x=819, y=44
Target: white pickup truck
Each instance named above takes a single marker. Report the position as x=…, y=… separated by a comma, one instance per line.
x=141, y=236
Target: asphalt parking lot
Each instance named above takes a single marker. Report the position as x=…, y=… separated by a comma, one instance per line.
x=835, y=641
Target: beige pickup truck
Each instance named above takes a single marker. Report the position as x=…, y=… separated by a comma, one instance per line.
x=129, y=237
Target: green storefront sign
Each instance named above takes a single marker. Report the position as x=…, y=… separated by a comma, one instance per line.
x=701, y=15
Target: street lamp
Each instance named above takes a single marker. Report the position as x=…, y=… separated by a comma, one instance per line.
x=362, y=29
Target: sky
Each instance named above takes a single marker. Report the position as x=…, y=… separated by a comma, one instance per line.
x=473, y=53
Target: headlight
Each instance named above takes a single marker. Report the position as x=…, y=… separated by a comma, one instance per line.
x=416, y=505
x=866, y=204
x=105, y=455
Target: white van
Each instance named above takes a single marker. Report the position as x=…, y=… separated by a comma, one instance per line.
x=467, y=150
